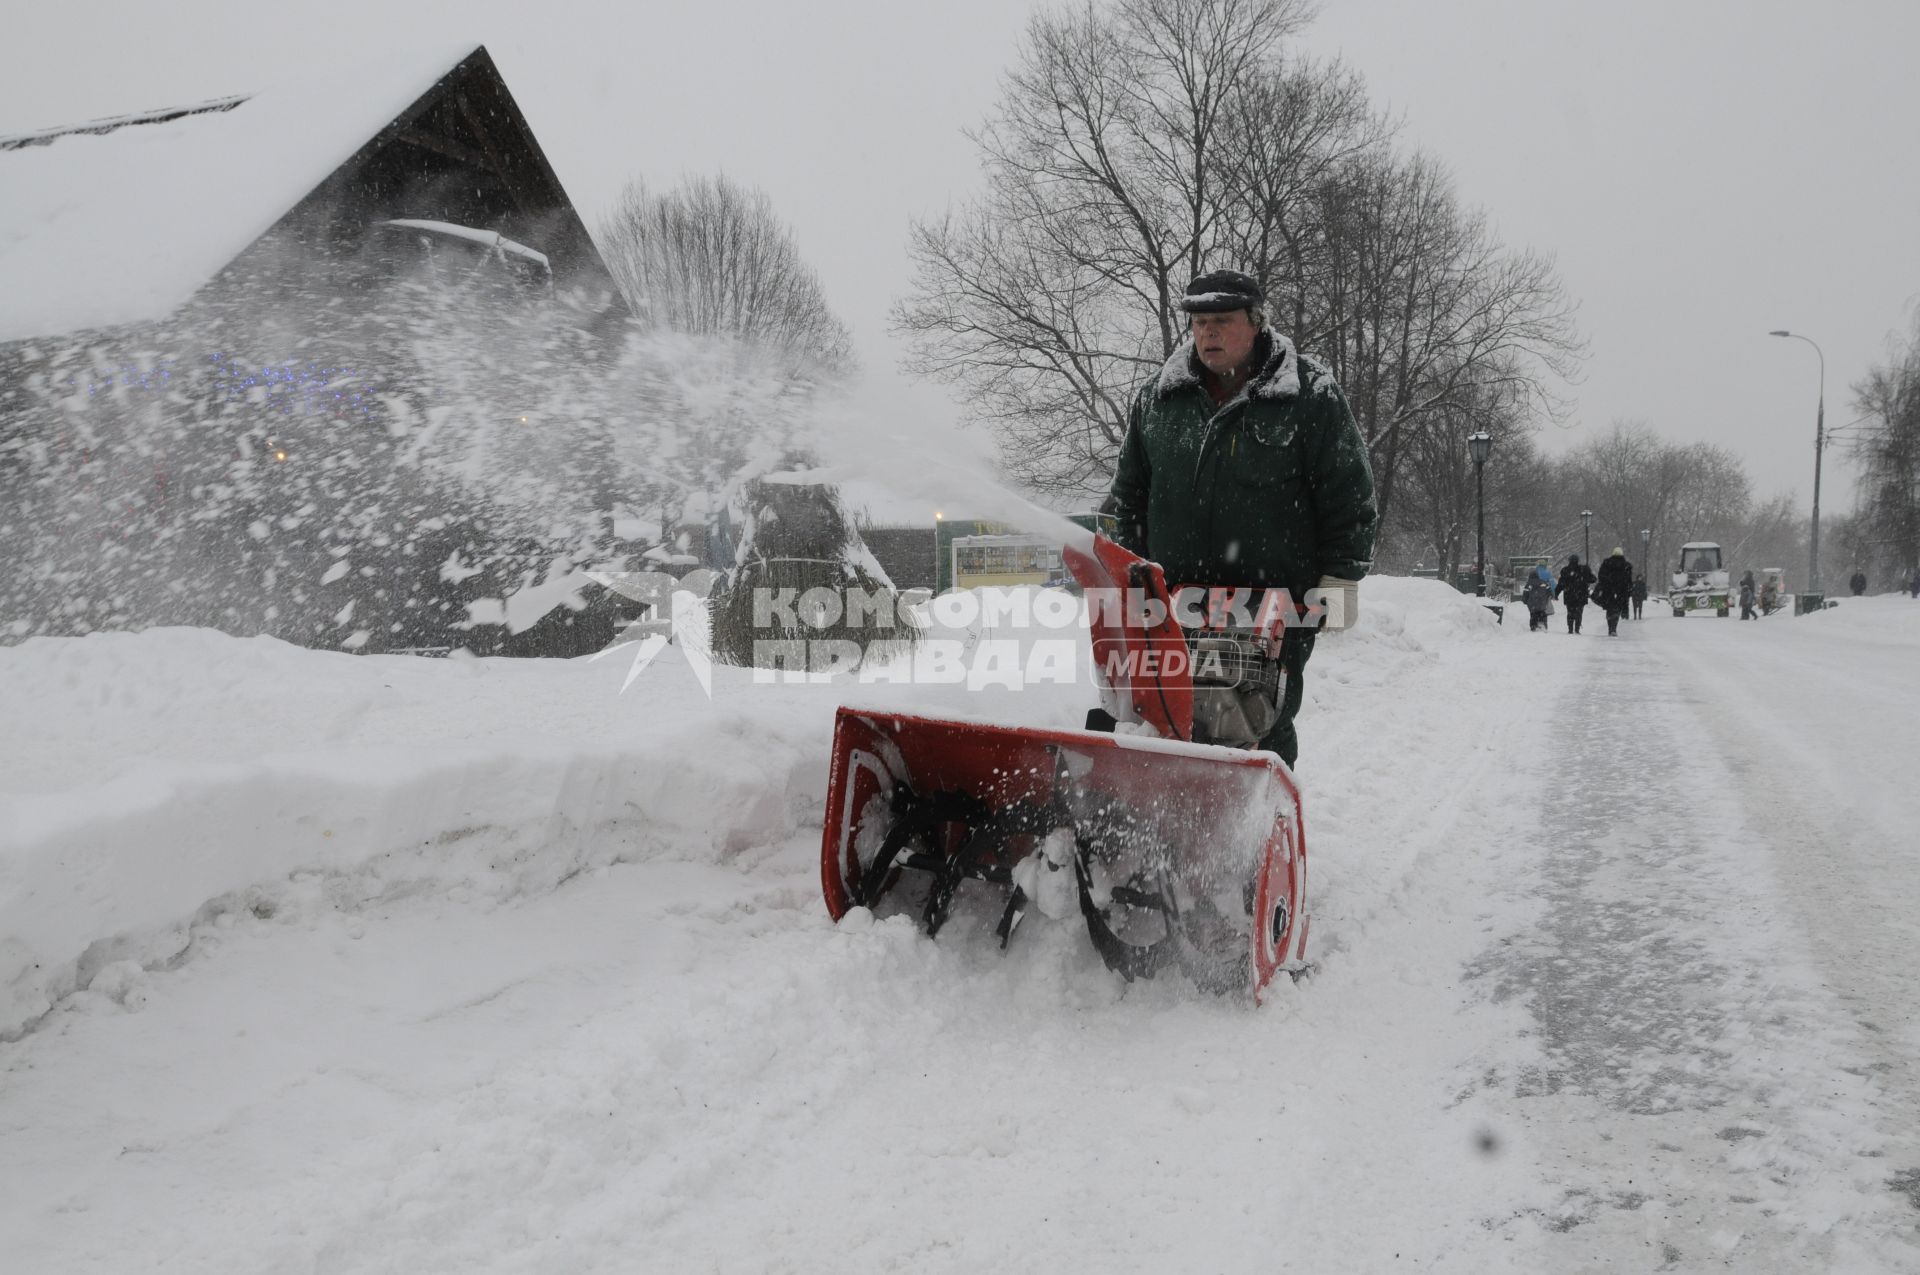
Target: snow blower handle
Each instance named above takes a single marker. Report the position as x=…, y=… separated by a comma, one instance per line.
x=1331, y=604
x=1140, y=654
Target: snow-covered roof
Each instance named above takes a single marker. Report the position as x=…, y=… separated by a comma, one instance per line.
x=121, y=220
x=1701, y=544
x=112, y=123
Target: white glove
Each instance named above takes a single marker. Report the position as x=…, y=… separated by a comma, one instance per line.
x=1340, y=599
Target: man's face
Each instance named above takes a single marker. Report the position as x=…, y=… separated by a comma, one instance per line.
x=1224, y=341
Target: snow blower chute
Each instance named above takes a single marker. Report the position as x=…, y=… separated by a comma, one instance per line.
x=1180, y=845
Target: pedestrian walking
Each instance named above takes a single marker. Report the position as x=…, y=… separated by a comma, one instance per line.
x=1746, y=597
x=1913, y=585
x=1614, y=588
x=1639, y=594
x=1538, y=595
x=1858, y=583
x=1576, y=582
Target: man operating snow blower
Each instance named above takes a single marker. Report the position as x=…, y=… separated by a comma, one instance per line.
x=1169, y=825
x=1242, y=467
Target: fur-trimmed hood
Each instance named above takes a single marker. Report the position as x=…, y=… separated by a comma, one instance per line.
x=1278, y=377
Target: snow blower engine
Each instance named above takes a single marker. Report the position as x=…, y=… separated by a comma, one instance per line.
x=1179, y=844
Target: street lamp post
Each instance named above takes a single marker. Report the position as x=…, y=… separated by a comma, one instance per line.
x=1819, y=446
x=1480, y=446
x=1586, y=519
x=1646, y=562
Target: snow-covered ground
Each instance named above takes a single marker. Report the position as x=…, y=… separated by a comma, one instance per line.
x=312, y=962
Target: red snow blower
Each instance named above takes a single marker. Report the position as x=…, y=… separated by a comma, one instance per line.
x=1180, y=845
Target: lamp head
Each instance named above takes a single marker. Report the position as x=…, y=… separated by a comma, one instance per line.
x=1779, y=332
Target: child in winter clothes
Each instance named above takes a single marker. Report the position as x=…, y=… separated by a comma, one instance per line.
x=1538, y=595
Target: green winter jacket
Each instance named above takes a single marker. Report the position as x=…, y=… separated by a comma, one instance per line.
x=1271, y=490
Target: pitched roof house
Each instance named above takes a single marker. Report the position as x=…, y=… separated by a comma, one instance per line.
x=213, y=390
x=123, y=220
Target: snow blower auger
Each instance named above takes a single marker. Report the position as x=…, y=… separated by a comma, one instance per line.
x=1180, y=845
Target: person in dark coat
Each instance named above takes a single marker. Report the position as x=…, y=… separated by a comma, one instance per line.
x=1576, y=581
x=1242, y=466
x=1858, y=583
x=1913, y=585
x=1538, y=595
x=1639, y=594
x=1614, y=589
x=1746, y=597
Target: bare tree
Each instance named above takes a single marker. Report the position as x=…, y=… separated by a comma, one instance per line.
x=1293, y=130
x=1887, y=448
x=1774, y=534
x=1049, y=300
x=1712, y=495
x=1633, y=479
x=711, y=257
x=1138, y=144
x=1418, y=301
x=1630, y=478
x=1437, y=516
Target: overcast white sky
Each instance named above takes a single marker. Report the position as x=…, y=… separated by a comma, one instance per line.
x=1704, y=171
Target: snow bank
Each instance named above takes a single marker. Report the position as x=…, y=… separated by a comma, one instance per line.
x=150, y=779
x=1404, y=624
x=1413, y=614
x=1892, y=616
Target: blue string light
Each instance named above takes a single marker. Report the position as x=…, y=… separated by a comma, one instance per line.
x=292, y=389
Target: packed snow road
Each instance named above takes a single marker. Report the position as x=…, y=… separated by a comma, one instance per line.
x=1589, y=997
x=1728, y=1034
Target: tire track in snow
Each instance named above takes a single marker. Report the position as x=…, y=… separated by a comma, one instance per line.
x=1803, y=715
x=1680, y=1018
